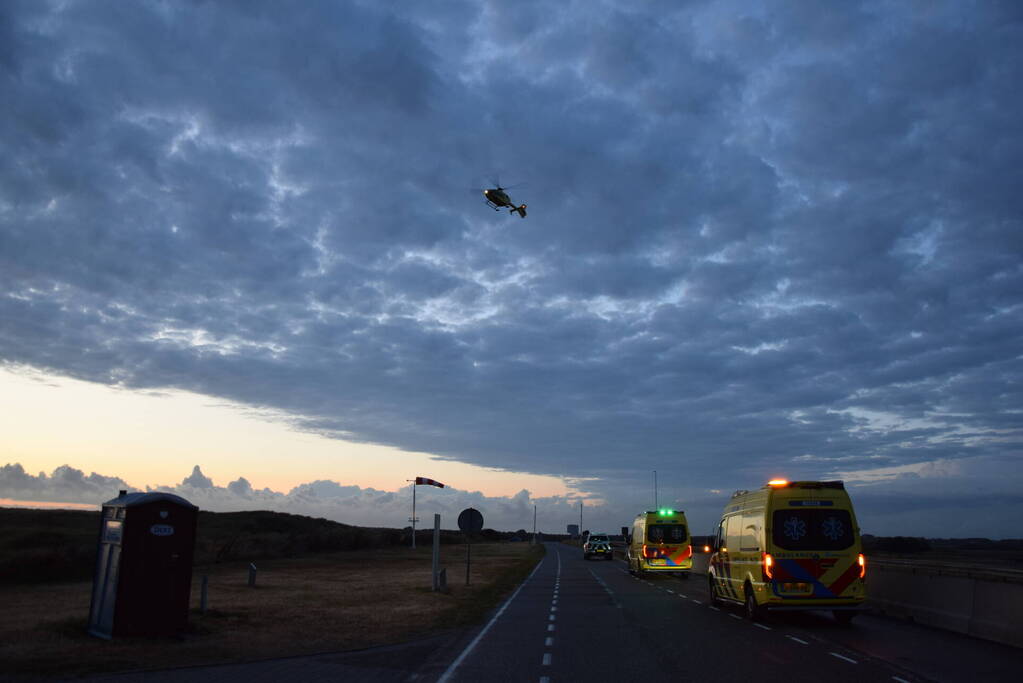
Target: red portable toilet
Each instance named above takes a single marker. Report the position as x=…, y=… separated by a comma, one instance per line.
x=143, y=577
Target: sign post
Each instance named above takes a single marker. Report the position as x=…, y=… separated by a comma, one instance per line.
x=470, y=521
x=436, y=552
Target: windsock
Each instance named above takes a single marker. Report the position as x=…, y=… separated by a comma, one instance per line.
x=423, y=481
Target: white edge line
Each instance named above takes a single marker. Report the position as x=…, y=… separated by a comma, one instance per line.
x=798, y=640
x=900, y=680
x=479, y=636
x=766, y=628
x=835, y=654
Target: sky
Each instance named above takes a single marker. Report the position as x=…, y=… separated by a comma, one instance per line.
x=244, y=256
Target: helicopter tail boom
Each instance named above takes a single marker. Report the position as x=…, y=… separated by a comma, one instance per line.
x=520, y=209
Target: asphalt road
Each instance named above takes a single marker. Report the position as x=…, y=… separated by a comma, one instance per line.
x=576, y=620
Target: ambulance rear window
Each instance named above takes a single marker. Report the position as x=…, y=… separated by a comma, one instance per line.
x=812, y=529
x=666, y=533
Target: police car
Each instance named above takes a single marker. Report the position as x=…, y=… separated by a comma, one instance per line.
x=598, y=545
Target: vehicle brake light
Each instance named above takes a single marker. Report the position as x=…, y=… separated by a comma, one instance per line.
x=768, y=566
x=706, y=548
x=863, y=565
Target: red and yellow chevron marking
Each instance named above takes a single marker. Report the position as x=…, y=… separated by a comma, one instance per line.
x=829, y=576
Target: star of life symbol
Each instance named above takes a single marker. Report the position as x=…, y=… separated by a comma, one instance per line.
x=832, y=528
x=795, y=528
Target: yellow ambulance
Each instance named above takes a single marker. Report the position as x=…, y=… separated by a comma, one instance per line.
x=660, y=543
x=789, y=546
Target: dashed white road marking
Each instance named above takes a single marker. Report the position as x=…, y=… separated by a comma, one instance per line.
x=900, y=680
x=735, y=616
x=550, y=627
x=697, y=601
x=546, y=658
x=684, y=597
x=766, y=628
x=835, y=654
x=798, y=640
x=670, y=591
x=552, y=617
x=716, y=609
x=554, y=609
x=469, y=648
x=545, y=679
x=548, y=642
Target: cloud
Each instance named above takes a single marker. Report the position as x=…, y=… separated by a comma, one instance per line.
x=744, y=226
x=349, y=504
x=197, y=480
x=65, y=485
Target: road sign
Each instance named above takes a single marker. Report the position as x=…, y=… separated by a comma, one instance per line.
x=470, y=521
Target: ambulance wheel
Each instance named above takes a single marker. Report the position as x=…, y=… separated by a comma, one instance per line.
x=844, y=618
x=712, y=589
x=753, y=611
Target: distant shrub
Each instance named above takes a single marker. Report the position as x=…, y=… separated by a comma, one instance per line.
x=895, y=544
x=60, y=545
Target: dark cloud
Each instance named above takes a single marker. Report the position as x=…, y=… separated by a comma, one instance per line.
x=753, y=235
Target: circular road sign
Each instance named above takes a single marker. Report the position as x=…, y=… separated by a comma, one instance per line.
x=470, y=521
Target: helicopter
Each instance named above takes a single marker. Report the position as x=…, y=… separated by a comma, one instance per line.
x=497, y=198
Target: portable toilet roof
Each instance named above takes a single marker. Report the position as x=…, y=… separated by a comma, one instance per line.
x=144, y=498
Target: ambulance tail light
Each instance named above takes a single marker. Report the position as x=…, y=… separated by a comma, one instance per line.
x=768, y=566
x=862, y=561
x=649, y=552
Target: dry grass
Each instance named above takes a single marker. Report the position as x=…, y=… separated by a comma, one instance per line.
x=334, y=602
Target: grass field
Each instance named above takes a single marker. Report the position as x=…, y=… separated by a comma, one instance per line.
x=316, y=603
